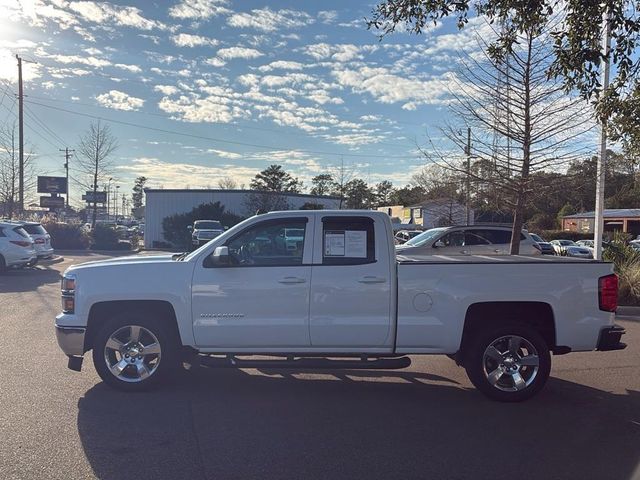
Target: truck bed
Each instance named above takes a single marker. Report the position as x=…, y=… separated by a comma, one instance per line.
x=492, y=259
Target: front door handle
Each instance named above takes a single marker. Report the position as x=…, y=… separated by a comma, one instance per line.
x=291, y=280
x=372, y=279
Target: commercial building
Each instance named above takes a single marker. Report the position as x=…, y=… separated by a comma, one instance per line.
x=625, y=220
x=430, y=214
x=162, y=203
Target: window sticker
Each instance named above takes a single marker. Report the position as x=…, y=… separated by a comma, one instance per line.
x=334, y=244
x=355, y=243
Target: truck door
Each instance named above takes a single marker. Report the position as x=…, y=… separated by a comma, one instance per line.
x=261, y=299
x=351, y=284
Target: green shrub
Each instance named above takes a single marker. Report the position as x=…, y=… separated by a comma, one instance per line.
x=67, y=236
x=106, y=238
x=174, y=227
x=626, y=264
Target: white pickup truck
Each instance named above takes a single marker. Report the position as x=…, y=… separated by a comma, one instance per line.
x=336, y=297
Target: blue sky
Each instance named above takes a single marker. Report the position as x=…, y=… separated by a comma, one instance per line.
x=250, y=83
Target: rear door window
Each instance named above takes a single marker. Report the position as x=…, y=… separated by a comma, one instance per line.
x=347, y=241
x=34, y=229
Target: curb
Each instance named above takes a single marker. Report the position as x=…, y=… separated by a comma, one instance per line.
x=51, y=261
x=629, y=313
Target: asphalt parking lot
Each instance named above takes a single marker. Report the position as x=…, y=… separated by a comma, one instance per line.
x=424, y=422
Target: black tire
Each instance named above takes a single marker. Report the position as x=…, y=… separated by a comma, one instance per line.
x=159, y=368
x=480, y=367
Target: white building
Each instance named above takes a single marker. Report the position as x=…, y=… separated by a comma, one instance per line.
x=162, y=203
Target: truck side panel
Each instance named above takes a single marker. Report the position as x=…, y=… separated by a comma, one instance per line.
x=433, y=300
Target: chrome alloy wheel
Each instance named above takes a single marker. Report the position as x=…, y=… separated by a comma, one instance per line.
x=510, y=363
x=132, y=353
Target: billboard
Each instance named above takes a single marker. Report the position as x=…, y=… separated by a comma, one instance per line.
x=99, y=197
x=52, y=202
x=52, y=184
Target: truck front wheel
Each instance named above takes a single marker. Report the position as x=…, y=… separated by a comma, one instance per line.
x=133, y=352
x=508, y=364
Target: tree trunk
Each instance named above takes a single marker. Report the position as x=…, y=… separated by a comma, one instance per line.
x=526, y=156
x=95, y=190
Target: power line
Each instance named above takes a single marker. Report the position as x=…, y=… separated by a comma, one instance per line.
x=53, y=134
x=213, y=139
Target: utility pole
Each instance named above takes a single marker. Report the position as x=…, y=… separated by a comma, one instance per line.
x=67, y=155
x=468, y=180
x=602, y=159
x=20, y=139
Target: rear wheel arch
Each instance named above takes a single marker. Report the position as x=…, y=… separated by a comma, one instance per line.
x=485, y=315
x=100, y=312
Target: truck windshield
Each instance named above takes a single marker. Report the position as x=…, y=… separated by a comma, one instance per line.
x=425, y=237
x=208, y=225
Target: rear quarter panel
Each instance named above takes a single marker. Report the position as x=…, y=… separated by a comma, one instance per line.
x=433, y=299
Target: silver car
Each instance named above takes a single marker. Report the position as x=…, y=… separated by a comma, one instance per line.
x=569, y=248
x=467, y=240
x=41, y=239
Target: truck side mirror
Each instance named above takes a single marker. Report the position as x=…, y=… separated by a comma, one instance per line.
x=220, y=257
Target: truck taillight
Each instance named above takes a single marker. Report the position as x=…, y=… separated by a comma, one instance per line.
x=608, y=293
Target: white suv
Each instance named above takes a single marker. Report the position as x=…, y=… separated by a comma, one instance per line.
x=41, y=239
x=16, y=246
x=467, y=240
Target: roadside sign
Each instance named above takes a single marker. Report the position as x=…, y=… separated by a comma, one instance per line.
x=52, y=202
x=52, y=184
x=99, y=197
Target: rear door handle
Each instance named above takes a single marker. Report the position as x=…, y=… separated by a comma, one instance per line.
x=291, y=280
x=372, y=279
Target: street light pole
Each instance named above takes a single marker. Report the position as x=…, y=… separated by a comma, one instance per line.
x=602, y=160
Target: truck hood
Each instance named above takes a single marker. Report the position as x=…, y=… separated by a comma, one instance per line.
x=132, y=259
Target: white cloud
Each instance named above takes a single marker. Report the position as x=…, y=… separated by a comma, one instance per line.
x=105, y=13
x=340, y=52
x=283, y=65
x=216, y=62
x=90, y=61
x=130, y=68
x=199, y=9
x=174, y=174
x=238, y=52
x=386, y=87
x=188, y=40
x=119, y=101
x=224, y=154
x=166, y=89
x=327, y=16
x=268, y=20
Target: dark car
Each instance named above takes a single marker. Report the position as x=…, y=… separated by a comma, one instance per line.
x=545, y=247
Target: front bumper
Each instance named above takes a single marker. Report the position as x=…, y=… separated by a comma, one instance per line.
x=609, y=339
x=71, y=339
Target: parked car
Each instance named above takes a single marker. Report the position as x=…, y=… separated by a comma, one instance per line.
x=203, y=231
x=585, y=243
x=545, y=247
x=16, y=246
x=346, y=294
x=569, y=248
x=467, y=240
x=403, y=236
x=41, y=239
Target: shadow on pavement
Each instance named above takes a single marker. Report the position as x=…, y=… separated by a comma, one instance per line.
x=27, y=279
x=234, y=424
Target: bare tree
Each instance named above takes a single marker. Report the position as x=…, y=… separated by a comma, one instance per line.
x=342, y=174
x=94, y=157
x=522, y=122
x=10, y=172
x=227, y=183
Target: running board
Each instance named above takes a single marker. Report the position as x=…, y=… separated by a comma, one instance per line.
x=307, y=362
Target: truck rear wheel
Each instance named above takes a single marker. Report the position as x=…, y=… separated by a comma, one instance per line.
x=133, y=352
x=508, y=364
